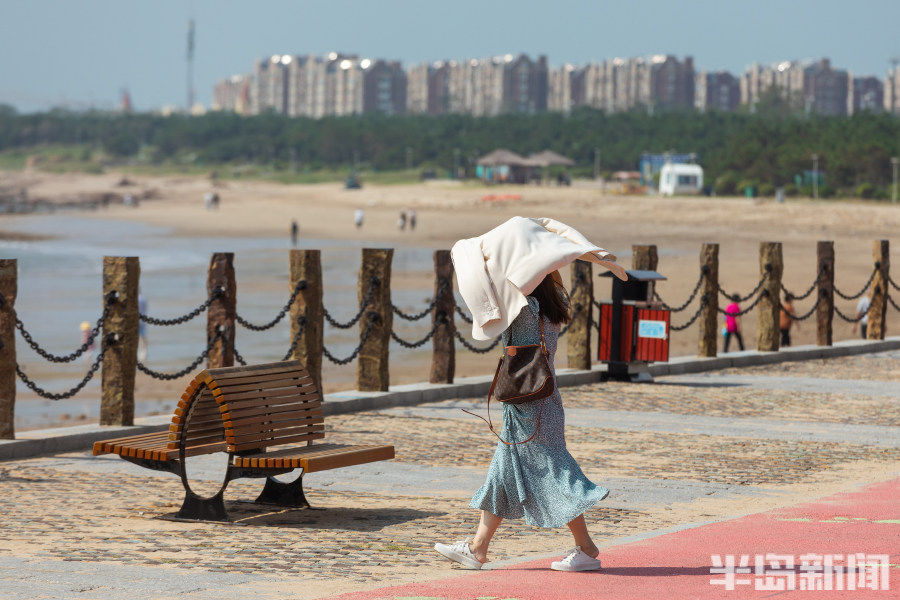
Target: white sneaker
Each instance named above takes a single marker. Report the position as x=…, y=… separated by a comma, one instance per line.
x=459, y=552
x=576, y=561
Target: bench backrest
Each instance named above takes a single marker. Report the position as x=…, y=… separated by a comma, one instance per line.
x=250, y=408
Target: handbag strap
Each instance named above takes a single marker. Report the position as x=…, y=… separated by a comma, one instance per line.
x=489, y=421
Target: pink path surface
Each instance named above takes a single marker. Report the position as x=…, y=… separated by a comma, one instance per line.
x=677, y=565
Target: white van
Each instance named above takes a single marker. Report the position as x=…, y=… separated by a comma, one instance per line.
x=680, y=179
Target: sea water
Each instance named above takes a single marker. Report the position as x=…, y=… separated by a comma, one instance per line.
x=59, y=287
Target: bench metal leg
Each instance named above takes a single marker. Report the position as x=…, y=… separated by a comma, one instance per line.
x=203, y=509
x=284, y=494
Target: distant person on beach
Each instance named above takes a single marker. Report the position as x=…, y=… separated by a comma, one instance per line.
x=401, y=220
x=785, y=319
x=412, y=219
x=85, y=334
x=358, y=217
x=733, y=323
x=295, y=233
x=208, y=200
x=862, y=313
x=142, y=328
x=130, y=200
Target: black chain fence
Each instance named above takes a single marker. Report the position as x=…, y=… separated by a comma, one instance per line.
x=704, y=300
x=367, y=299
x=809, y=290
x=422, y=314
x=738, y=297
x=179, y=374
x=850, y=319
x=362, y=341
x=860, y=292
x=807, y=314
x=301, y=285
x=686, y=303
x=465, y=317
x=34, y=387
x=474, y=348
x=219, y=291
x=55, y=358
x=744, y=311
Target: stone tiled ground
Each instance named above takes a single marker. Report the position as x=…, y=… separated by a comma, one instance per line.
x=739, y=401
x=95, y=518
x=85, y=516
x=610, y=452
x=883, y=367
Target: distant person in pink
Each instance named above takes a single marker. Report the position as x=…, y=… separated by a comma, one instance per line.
x=733, y=323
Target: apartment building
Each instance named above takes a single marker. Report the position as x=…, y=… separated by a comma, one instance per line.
x=716, y=91
x=813, y=87
x=233, y=94
x=560, y=83
x=669, y=82
x=865, y=94
x=384, y=87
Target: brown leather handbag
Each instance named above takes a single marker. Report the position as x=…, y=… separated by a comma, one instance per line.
x=523, y=375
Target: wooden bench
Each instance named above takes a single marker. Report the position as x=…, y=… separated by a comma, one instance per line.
x=265, y=417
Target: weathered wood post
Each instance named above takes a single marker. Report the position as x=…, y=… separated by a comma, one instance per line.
x=377, y=321
x=768, y=335
x=9, y=290
x=578, y=344
x=708, y=339
x=825, y=285
x=306, y=266
x=443, y=344
x=121, y=278
x=881, y=252
x=645, y=258
x=220, y=316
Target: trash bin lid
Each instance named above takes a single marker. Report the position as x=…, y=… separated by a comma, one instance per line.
x=639, y=275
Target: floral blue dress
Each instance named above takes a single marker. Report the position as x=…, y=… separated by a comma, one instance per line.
x=539, y=479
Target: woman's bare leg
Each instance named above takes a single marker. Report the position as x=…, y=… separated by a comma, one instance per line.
x=582, y=538
x=486, y=528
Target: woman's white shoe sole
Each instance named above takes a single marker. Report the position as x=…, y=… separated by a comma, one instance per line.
x=556, y=567
x=465, y=561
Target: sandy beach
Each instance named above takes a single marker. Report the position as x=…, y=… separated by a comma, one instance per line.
x=448, y=211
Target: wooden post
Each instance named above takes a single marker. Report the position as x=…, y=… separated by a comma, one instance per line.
x=222, y=310
x=645, y=258
x=825, y=283
x=881, y=252
x=121, y=276
x=443, y=344
x=9, y=289
x=372, y=366
x=768, y=335
x=306, y=265
x=579, y=335
x=709, y=296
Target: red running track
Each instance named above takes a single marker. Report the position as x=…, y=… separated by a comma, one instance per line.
x=677, y=565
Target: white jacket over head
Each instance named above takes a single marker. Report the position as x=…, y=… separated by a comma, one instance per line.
x=495, y=271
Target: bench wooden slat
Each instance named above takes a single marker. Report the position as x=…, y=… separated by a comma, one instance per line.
x=307, y=390
x=263, y=380
x=257, y=411
x=317, y=458
x=273, y=417
x=276, y=441
x=269, y=435
x=299, y=403
x=265, y=427
x=224, y=373
x=285, y=382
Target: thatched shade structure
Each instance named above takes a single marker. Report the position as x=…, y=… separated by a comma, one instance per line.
x=549, y=158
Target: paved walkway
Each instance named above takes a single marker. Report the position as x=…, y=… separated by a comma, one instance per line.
x=683, y=451
x=717, y=560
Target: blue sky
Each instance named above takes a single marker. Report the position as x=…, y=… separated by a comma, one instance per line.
x=83, y=52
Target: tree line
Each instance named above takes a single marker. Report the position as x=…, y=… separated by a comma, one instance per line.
x=737, y=150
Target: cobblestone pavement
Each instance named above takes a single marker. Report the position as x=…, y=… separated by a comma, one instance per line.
x=63, y=518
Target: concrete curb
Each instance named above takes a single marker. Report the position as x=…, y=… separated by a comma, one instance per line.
x=69, y=439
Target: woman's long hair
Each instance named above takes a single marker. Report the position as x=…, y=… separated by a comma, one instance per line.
x=553, y=300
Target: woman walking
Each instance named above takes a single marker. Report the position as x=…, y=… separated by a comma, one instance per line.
x=538, y=479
